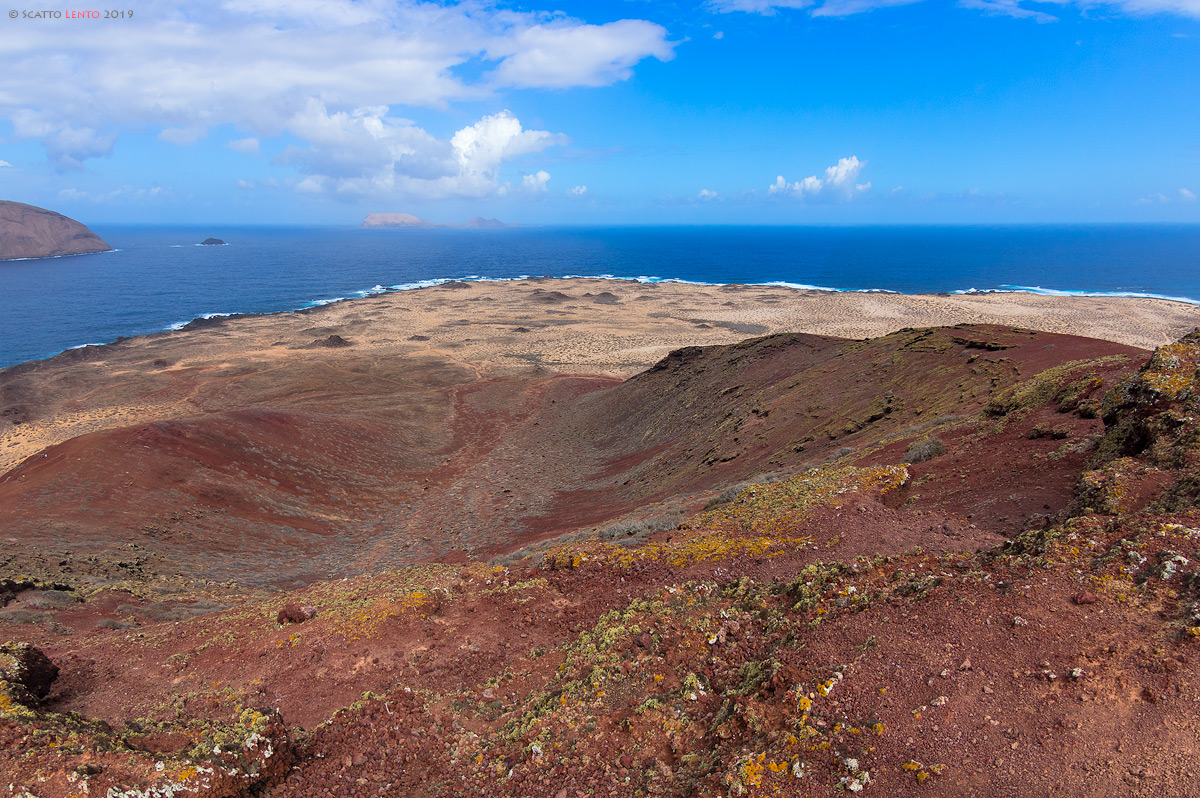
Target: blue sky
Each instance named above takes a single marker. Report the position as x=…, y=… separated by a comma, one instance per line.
x=738, y=111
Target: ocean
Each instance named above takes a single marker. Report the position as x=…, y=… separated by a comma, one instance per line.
x=158, y=277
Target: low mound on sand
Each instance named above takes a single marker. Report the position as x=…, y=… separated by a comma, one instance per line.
x=27, y=231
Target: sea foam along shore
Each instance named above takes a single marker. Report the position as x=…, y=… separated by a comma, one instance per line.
x=611, y=328
x=848, y=313
x=430, y=283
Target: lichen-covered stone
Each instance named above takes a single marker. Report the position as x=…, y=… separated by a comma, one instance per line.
x=26, y=674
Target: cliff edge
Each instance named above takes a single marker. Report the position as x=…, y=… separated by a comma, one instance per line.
x=27, y=231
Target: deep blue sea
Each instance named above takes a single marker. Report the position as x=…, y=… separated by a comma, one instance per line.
x=159, y=278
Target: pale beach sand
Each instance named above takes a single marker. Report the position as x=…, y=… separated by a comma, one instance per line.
x=579, y=325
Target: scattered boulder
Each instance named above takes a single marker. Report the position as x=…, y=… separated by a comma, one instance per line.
x=1086, y=597
x=26, y=674
x=294, y=612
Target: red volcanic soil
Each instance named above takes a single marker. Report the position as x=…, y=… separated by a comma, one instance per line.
x=331, y=472
x=956, y=561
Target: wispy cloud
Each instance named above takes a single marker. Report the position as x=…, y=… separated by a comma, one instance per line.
x=845, y=8
x=577, y=191
x=707, y=194
x=1005, y=8
x=1158, y=198
x=765, y=7
x=562, y=56
x=121, y=194
x=247, y=146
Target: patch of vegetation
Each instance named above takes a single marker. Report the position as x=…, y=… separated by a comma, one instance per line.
x=1066, y=386
x=733, y=491
x=927, y=449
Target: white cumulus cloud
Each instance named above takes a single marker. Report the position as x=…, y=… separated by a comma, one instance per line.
x=258, y=64
x=366, y=152
x=577, y=191
x=4, y=164
x=707, y=194
x=838, y=183
x=535, y=183
x=1186, y=195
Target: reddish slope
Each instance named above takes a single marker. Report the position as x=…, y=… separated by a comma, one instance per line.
x=704, y=418
x=27, y=231
x=775, y=645
x=324, y=472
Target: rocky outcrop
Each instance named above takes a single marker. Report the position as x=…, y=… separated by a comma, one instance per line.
x=1150, y=453
x=25, y=675
x=27, y=231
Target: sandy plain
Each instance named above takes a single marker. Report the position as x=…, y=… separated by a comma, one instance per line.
x=601, y=327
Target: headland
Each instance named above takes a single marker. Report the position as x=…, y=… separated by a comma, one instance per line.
x=27, y=231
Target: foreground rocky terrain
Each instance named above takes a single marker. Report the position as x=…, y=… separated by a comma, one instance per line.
x=946, y=561
x=27, y=231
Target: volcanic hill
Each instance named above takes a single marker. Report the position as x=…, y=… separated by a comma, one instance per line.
x=946, y=561
x=27, y=231
x=406, y=221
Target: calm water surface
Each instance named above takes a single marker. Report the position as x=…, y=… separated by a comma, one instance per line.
x=159, y=277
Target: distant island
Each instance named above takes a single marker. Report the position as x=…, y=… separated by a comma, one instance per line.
x=212, y=242
x=408, y=221
x=27, y=231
